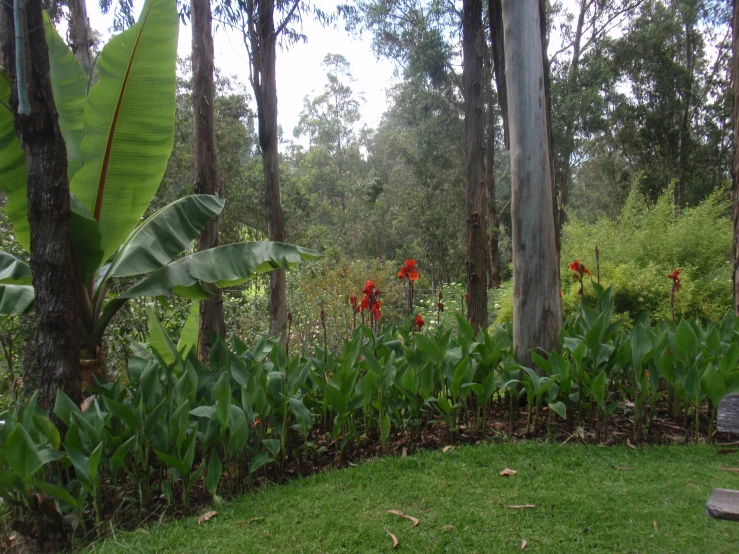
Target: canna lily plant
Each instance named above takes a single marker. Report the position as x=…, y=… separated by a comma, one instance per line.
x=119, y=135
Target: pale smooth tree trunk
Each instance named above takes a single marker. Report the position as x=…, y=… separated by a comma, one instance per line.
x=206, y=172
x=263, y=59
x=735, y=158
x=473, y=39
x=54, y=277
x=537, y=311
x=80, y=34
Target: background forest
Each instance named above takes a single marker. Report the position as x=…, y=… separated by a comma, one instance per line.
x=642, y=145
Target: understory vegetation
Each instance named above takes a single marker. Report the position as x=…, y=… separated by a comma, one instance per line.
x=172, y=427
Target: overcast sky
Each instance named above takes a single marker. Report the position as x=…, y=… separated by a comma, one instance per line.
x=299, y=70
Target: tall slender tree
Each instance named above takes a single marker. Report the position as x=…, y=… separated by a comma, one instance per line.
x=473, y=40
x=735, y=159
x=80, y=34
x=490, y=128
x=54, y=279
x=537, y=312
x=206, y=168
x=260, y=36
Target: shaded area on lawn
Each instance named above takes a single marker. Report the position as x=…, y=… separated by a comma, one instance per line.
x=588, y=499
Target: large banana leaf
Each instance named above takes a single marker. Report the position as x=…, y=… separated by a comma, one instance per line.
x=69, y=87
x=16, y=300
x=13, y=168
x=13, y=271
x=85, y=234
x=129, y=123
x=223, y=266
x=164, y=235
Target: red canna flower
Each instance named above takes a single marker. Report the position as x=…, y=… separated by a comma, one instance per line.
x=409, y=271
x=353, y=301
x=375, y=310
x=419, y=321
x=365, y=303
x=441, y=307
x=369, y=287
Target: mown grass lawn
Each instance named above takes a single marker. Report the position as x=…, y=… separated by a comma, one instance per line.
x=583, y=505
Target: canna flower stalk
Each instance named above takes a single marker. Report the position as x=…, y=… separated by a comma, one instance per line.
x=579, y=271
x=410, y=274
x=675, y=276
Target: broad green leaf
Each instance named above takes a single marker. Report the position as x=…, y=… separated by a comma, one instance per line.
x=85, y=234
x=116, y=460
x=64, y=407
x=174, y=463
x=56, y=491
x=69, y=87
x=221, y=393
x=22, y=455
x=204, y=411
x=158, y=338
x=13, y=169
x=559, y=408
x=258, y=461
x=189, y=336
x=12, y=270
x=686, y=341
x=125, y=413
x=713, y=384
x=93, y=462
x=302, y=414
x=48, y=429
x=164, y=235
x=223, y=266
x=129, y=123
x=16, y=300
x=273, y=445
x=213, y=475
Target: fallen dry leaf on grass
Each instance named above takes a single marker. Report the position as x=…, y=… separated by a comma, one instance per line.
x=731, y=469
x=726, y=451
x=506, y=472
x=523, y=545
x=395, y=539
x=448, y=528
x=206, y=516
x=655, y=526
x=398, y=513
x=628, y=441
x=405, y=453
x=521, y=506
x=448, y=448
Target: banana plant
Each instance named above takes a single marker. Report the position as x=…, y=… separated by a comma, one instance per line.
x=119, y=135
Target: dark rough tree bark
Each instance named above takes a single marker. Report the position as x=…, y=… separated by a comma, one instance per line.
x=54, y=278
x=80, y=34
x=473, y=40
x=735, y=159
x=493, y=220
x=537, y=311
x=206, y=174
x=263, y=50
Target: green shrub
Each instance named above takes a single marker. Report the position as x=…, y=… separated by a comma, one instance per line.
x=639, y=250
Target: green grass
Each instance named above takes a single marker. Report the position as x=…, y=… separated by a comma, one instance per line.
x=583, y=505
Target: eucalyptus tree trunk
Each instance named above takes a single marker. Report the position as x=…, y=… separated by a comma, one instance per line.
x=206, y=173
x=537, y=311
x=54, y=278
x=569, y=138
x=495, y=17
x=493, y=220
x=263, y=40
x=80, y=34
x=473, y=39
x=543, y=28
x=735, y=159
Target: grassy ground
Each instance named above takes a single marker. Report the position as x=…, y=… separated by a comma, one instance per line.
x=583, y=505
